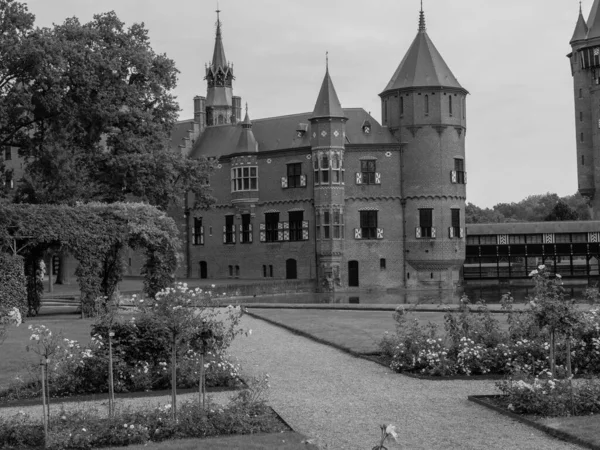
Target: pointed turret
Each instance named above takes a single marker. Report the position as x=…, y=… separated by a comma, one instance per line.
x=328, y=103
x=247, y=141
x=422, y=66
x=593, y=22
x=219, y=59
x=581, y=29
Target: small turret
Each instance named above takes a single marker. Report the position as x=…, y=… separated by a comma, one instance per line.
x=581, y=28
x=247, y=141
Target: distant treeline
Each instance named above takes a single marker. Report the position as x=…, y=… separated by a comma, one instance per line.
x=535, y=208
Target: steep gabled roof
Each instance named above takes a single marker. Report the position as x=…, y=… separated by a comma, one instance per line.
x=328, y=104
x=280, y=133
x=247, y=141
x=593, y=22
x=422, y=66
x=581, y=29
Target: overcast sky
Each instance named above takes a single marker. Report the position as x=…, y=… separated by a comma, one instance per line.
x=509, y=54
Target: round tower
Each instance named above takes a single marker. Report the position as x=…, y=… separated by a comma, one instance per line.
x=585, y=68
x=425, y=107
x=327, y=136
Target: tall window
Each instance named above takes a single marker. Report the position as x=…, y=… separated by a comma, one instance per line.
x=293, y=175
x=426, y=222
x=246, y=229
x=338, y=224
x=229, y=230
x=296, y=218
x=401, y=106
x=7, y=153
x=581, y=116
x=197, y=231
x=325, y=169
x=368, y=168
x=244, y=179
x=580, y=93
x=318, y=224
x=271, y=226
x=368, y=224
x=459, y=167
x=450, y=104
x=336, y=165
x=456, y=221
x=427, y=105
x=326, y=225
x=581, y=137
x=582, y=160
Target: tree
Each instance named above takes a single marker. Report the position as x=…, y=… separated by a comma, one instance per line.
x=561, y=211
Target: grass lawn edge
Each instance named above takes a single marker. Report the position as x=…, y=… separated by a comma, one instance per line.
x=480, y=400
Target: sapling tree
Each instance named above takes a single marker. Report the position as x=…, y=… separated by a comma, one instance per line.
x=551, y=310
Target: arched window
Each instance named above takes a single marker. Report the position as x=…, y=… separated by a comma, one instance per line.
x=427, y=105
x=450, y=104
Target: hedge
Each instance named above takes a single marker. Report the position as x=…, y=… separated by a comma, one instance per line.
x=13, y=290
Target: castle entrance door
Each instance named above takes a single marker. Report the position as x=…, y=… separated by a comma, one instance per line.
x=203, y=270
x=353, y=274
x=291, y=269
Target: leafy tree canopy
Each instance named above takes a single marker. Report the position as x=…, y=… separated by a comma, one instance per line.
x=534, y=208
x=90, y=107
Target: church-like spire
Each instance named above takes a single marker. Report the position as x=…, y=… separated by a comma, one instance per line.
x=328, y=103
x=422, y=27
x=219, y=59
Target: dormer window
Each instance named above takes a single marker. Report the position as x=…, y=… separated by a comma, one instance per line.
x=301, y=130
x=366, y=127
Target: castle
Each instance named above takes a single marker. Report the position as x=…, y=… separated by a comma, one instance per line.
x=332, y=195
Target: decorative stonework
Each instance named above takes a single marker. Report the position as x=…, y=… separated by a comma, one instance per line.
x=439, y=128
x=413, y=130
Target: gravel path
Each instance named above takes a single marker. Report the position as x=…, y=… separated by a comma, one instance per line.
x=340, y=400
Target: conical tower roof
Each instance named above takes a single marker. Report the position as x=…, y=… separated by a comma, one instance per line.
x=328, y=103
x=219, y=59
x=423, y=66
x=581, y=29
x=247, y=141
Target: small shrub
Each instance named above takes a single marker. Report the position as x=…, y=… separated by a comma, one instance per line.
x=13, y=285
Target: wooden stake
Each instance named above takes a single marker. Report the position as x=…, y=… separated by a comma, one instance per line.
x=45, y=418
x=111, y=386
x=173, y=380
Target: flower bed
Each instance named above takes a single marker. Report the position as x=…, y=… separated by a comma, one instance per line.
x=84, y=430
x=474, y=342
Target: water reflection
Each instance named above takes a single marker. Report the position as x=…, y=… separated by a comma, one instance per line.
x=489, y=294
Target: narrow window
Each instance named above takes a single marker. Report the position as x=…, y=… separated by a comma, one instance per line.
x=582, y=160
x=246, y=232
x=210, y=230
x=335, y=168
x=129, y=262
x=580, y=93
x=401, y=106
x=581, y=116
x=427, y=105
x=316, y=168
x=237, y=271
x=197, y=231
x=293, y=174
x=318, y=224
x=326, y=224
x=229, y=230
x=368, y=224
x=382, y=263
x=7, y=153
x=426, y=222
x=459, y=168
x=456, y=221
x=325, y=169
x=338, y=224
x=264, y=271
x=408, y=275
x=368, y=169
x=385, y=112
x=581, y=137
x=231, y=271
x=272, y=225
x=271, y=271
x=295, y=219
x=450, y=104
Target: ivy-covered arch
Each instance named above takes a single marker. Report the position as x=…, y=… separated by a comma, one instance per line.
x=96, y=234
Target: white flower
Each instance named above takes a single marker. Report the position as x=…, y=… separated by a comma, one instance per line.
x=83, y=429
x=558, y=276
x=542, y=267
x=391, y=431
x=533, y=272
x=131, y=427
x=511, y=407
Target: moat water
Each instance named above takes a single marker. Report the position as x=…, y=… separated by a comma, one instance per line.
x=488, y=294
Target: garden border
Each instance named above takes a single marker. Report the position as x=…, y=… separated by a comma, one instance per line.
x=480, y=400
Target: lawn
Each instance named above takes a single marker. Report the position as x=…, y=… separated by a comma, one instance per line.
x=584, y=427
x=283, y=441
x=14, y=354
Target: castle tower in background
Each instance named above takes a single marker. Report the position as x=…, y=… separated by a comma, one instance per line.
x=221, y=106
x=585, y=68
x=328, y=134
x=425, y=107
